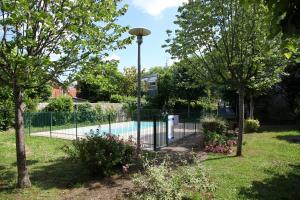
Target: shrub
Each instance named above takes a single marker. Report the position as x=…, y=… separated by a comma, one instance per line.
x=102, y=154
x=218, y=143
x=86, y=113
x=62, y=108
x=60, y=104
x=251, y=125
x=164, y=183
x=213, y=124
x=116, y=98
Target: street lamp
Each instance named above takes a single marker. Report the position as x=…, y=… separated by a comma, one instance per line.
x=139, y=32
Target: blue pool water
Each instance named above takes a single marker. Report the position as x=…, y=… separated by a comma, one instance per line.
x=122, y=128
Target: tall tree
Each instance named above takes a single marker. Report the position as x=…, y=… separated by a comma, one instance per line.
x=98, y=81
x=42, y=39
x=186, y=84
x=129, y=81
x=226, y=42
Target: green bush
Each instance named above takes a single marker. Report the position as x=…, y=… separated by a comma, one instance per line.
x=102, y=154
x=251, y=125
x=116, y=98
x=214, y=124
x=60, y=104
x=62, y=108
x=86, y=113
x=164, y=183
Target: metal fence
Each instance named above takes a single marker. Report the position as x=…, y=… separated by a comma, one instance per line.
x=157, y=129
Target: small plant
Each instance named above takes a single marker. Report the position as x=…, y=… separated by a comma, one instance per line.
x=251, y=125
x=164, y=183
x=213, y=124
x=102, y=154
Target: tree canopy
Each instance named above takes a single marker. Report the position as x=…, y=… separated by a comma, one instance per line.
x=41, y=40
x=226, y=42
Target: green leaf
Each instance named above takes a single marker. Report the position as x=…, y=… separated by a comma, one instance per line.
x=288, y=55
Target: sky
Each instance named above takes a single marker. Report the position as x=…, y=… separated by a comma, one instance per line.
x=157, y=16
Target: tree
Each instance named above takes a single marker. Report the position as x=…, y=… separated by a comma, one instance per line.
x=129, y=81
x=186, y=84
x=265, y=79
x=284, y=21
x=225, y=42
x=164, y=86
x=41, y=40
x=98, y=81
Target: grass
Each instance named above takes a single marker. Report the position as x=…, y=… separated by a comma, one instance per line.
x=50, y=173
x=268, y=169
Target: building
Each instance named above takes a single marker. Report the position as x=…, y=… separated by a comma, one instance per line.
x=150, y=83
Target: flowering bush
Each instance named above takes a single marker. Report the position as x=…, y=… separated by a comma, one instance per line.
x=102, y=154
x=219, y=143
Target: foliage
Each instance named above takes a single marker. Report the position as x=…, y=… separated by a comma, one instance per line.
x=226, y=44
x=218, y=143
x=102, y=154
x=213, y=124
x=60, y=104
x=6, y=109
x=129, y=86
x=207, y=104
x=61, y=109
x=186, y=85
x=251, y=125
x=99, y=80
x=42, y=40
x=86, y=113
x=163, y=182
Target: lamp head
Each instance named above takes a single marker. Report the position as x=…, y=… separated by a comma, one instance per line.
x=139, y=32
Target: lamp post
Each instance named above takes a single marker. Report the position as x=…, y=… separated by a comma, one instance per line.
x=139, y=32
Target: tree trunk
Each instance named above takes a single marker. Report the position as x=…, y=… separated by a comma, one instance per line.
x=241, y=121
x=251, y=107
x=23, y=177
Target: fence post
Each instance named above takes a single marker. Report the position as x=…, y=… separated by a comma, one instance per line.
x=195, y=127
x=167, y=130
x=50, y=124
x=29, y=126
x=76, y=125
x=154, y=134
x=183, y=127
x=109, y=123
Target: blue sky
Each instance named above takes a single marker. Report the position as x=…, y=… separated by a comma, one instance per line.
x=156, y=15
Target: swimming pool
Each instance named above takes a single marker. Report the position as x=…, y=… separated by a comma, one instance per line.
x=119, y=128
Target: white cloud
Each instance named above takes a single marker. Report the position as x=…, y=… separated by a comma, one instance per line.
x=170, y=62
x=112, y=57
x=156, y=7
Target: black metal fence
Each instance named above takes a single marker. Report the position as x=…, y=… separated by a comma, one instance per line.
x=157, y=129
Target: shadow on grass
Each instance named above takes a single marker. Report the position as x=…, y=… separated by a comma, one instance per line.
x=62, y=173
x=220, y=158
x=290, y=138
x=28, y=162
x=277, y=187
x=279, y=128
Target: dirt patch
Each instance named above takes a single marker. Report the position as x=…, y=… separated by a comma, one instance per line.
x=116, y=187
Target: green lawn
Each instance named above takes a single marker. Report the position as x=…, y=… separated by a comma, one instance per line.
x=50, y=173
x=269, y=168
